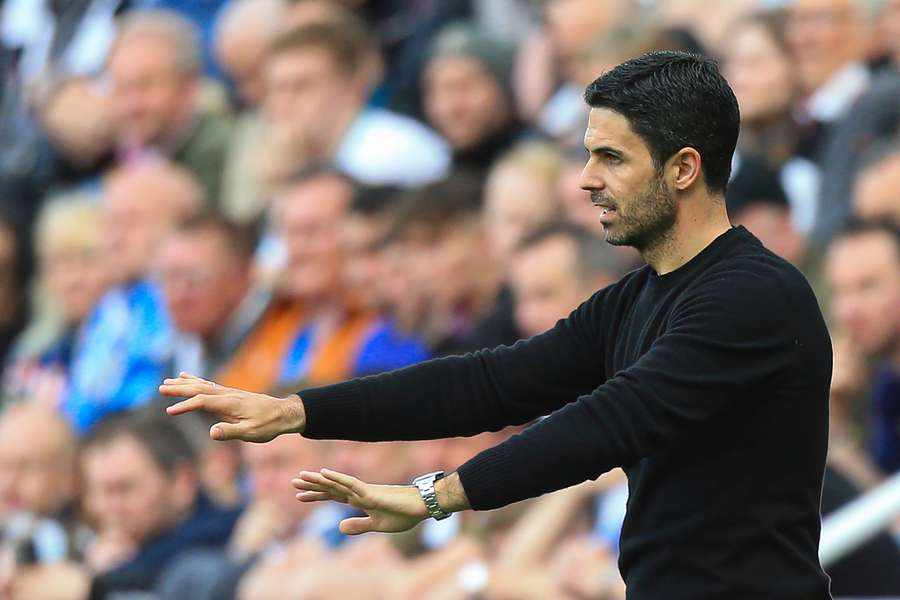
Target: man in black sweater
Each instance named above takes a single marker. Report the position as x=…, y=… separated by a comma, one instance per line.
x=704, y=374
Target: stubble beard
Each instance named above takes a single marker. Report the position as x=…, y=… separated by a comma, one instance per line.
x=649, y=221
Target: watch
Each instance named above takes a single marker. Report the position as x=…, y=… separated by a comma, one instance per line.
x=425, y=485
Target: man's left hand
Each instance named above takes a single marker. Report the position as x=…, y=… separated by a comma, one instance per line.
x=389, y=508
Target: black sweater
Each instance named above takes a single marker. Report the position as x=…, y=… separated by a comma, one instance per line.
x=709, y=385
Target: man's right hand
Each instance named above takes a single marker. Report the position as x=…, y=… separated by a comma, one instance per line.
x=245, y=415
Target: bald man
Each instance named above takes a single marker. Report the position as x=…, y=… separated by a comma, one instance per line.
x=127, y=339
x=37, y=484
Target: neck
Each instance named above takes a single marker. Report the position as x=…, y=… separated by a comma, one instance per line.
x=692, y=232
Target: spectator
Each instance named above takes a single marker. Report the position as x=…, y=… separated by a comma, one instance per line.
x=155, y=74
x=73, y=276
x=127, y=340
x=554, y=269
x=876, y=194
x=244, y=29
x=440, y=233
x=863, y=269
x=468, y=96
x=520, y=194
x=890, y=22
x=844, y=106
x=317, y=79
x=204, y=267
x=316, y=332
x=761, y=70
x=38, y=484
x=756, y=200
x=142, y=493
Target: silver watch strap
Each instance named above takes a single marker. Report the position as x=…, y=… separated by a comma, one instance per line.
x=425, y=485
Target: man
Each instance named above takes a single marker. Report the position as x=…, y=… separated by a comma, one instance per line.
x=555, y=268
x=843, y=105
x=142, y=490
x=317, y=79
x=127, y=338
x=155, y=74
x=37, y=483
x=314, y=332
x=876, y=194
x=862, y=267
x=704, y=374
x=204, y=268
x=468, y=98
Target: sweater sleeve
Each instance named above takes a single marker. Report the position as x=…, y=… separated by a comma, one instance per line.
x=720, y=339
x=464, y=395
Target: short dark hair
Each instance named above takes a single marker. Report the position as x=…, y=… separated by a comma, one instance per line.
x=375, y=200
x=167, y=445
x=674, y=100
x=239, y=239
x=593, y=255
x=346, y=42
x=437, y=207
x=855, y=227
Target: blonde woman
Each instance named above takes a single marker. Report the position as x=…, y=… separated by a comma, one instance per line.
x=72, y=275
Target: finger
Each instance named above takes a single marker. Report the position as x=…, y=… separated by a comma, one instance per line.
x=304, y=485
x=348, y=481
x=314, y=496
x=222, y=432
x=186, y=406
x=326, y=484
x=190, y=387
x=357, y=525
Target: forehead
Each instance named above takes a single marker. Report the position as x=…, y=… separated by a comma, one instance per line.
x=863, y=252
x=608, y=128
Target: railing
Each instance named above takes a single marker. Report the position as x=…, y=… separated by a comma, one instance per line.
x=854, y=524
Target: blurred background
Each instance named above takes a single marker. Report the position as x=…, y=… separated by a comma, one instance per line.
x=276, y=194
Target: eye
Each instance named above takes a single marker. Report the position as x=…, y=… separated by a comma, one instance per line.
x=613, y=159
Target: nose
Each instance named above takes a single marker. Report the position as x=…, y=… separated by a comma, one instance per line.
x=590, y=179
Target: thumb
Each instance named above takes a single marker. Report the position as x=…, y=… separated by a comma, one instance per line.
x=357, y=525
x=224, y=431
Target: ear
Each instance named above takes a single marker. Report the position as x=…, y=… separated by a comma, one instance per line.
x=685, y=168
x=185, y=485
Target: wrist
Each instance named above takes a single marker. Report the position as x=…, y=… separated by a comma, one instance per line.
x=293, y=414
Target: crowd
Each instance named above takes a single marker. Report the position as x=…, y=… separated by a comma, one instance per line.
x=282, y=193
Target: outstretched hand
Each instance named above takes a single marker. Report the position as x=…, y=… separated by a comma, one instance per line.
x=244, y=415
x=389, y=508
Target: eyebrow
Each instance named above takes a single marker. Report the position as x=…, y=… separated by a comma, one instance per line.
x=604, y=150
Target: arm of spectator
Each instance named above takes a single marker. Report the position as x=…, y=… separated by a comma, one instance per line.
x=59, y=581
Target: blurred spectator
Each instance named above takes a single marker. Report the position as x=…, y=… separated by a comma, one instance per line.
x=38, y=485
x=863, y=269
x=202, y=13
x=565, y=45
x=316, y=331
x=155, y=74
x=244, y=29
x=554, y=269
x=73, y=275
x=876, y=194
x=67, y=38
x=468, y=96
x=761, y=70
x=65, y=142
x=440, y=238
x=272, y=522
x=317, y=80
x=520, y=194
x=204, y=268
x=756, y=200
x=844, y=106
x=118, y=361
x=142, y=493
